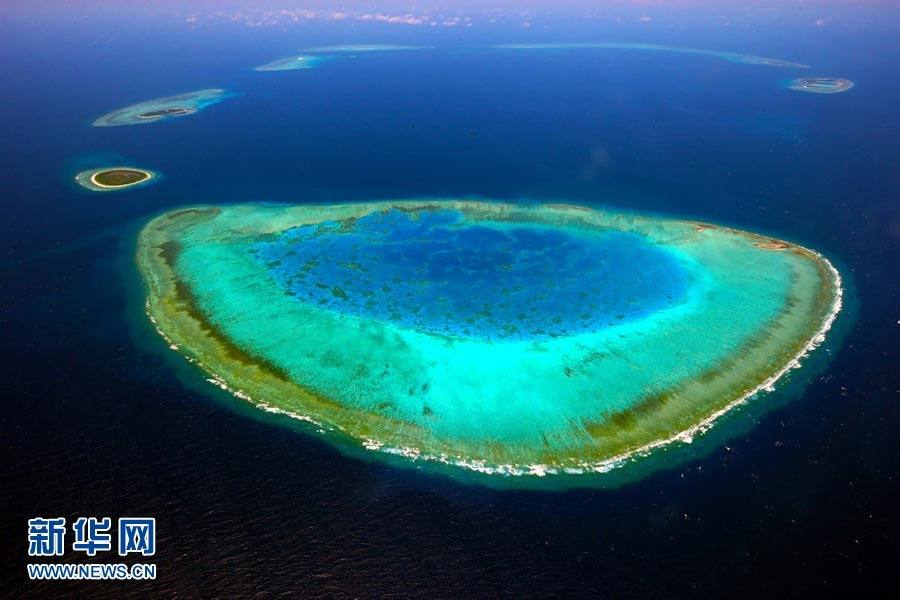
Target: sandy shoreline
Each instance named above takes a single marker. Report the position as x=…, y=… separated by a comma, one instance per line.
x=88, y=179
x=147, y=176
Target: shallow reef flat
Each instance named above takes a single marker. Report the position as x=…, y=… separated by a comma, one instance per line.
x=507, y=339
x=113, y=179
x=821, y=85
x=366, y=48
x=292, y=63
x=734, y=57
x=160, y=109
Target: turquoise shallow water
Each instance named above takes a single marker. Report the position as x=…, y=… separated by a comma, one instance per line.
x=437, y=273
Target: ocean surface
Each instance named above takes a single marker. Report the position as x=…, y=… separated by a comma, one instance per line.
x=794, y=494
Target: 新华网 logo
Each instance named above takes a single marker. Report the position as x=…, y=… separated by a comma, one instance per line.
x=136, y=535
x=92, y=535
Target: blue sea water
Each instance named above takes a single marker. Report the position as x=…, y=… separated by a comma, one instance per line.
x=435, y=272
x=796, y=494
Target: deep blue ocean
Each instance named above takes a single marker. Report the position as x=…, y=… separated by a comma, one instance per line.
x=793, y=498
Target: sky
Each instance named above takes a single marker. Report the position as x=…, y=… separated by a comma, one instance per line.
x=435, y=12
x=739, y=25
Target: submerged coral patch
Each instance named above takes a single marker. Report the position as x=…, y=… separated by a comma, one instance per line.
x=366, y=48
x=821, y=85
x=292, y=63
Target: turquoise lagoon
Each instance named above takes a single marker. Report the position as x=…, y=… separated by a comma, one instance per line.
x=502, y=338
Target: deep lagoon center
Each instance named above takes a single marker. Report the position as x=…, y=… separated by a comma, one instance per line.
x=504, y=338
x=435, y=272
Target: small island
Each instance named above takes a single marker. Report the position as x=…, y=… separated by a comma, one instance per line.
x=160, y=109
x=175, y=111
x=112, y=179
x=821, y=85
x=503, y=339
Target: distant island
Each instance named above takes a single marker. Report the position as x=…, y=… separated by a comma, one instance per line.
x=365, y=48
x=734, y=57
x=159, y=109
x=292, y=63
x=821, y=85
x=504, y=339
x=114, y=178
